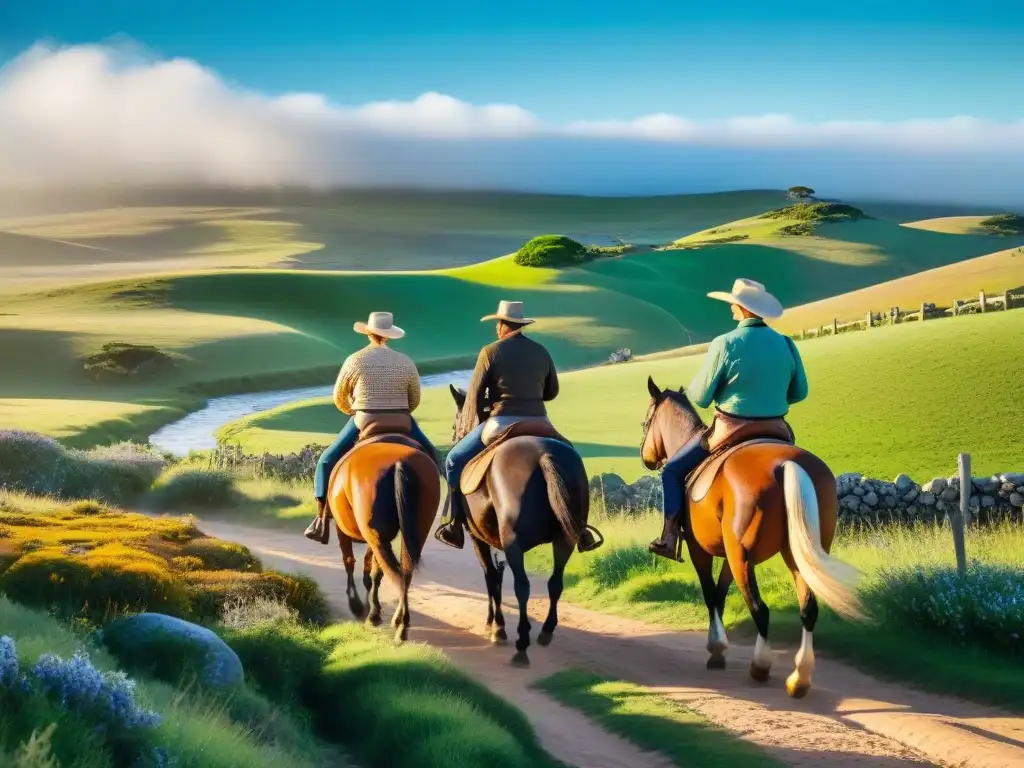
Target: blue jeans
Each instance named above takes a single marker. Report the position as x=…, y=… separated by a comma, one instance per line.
x=345, y=442
x=462, y=453
x=674, y=475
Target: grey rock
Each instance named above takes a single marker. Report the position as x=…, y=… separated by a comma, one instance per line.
x=911, y=511
x=912, y=494
x=904, y=483
x=986, y=484
x=926, y=499
x=850, y=502
x=987, y=502
x=1017, y=478
x=890, y=502
x=1017, y=499
x=220, y=665
x=949, y=493
x=1020, y=489
x=1008, y=487
x=859, y=490
x=608, y=481
x=870, y=498
x=866, y=510
x=935, y=486
x=942, y=505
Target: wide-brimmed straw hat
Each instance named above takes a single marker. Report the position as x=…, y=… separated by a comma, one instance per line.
x=751, y=296
x=510, y=312
x=380, y=324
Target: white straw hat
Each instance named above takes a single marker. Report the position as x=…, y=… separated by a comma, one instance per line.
x=509, y=311
x=380, y=324
x=751, y=296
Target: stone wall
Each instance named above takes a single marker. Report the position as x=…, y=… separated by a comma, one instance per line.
x=862, y=500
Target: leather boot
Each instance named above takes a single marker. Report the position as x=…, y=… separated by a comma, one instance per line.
x=452, y=532
x=669, y=545
x=320, y=529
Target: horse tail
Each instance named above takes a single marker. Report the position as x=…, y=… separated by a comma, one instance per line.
x=831, y=580
x=558, y=497
x=406, y=504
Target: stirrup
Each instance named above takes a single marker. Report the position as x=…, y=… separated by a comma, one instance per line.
x=458, y=542
x=587, y=541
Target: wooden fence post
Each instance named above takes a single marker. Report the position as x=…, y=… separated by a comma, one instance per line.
x=1006, y=300
x=963, y=514
x=922, y=311
x=835, y=326
x=867, y=322
x=981, y=300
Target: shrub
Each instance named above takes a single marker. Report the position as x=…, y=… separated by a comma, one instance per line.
x=210, y=591
x=35, y=464
x=1004, y=224
x=244, y=612
x=817, y=212
x=217, y=555
x=984, y=608
x=551, y=251
x=181, y=488
x=119, y=361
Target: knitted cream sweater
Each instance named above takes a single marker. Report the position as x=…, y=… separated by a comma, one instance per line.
x=377, y=378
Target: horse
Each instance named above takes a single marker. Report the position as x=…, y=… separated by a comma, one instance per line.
x=381, y=489
x=535, y=492
x=766, y=499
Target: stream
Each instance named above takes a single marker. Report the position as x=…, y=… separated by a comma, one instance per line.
x=197, y=430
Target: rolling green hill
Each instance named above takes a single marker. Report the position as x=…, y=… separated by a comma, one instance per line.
x=901, y=399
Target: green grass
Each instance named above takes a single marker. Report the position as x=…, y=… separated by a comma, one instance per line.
x=624, y=578
x=200, y=730
x=653, y=722
x=244, y=330
x=882, y=402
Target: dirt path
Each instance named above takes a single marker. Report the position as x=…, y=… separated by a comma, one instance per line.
x=849, y=718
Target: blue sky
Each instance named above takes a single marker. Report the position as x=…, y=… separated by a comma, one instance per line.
x=589, y=60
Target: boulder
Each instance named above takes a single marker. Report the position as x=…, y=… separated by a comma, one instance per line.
x=926, y=499
x=938, y=485
x=608, y=481
x=949, y=493
x=859, y=490
x=890, y=502
x=912, y=494
x=987, y=502
x=167, y=645
x=986, y=484
x=870, y=498
x=1017, y=478
x=904, y=483
x=1017, y=499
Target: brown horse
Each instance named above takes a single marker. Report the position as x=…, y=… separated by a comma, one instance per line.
x=767, y=499
x=380, y=490
x=535, y=492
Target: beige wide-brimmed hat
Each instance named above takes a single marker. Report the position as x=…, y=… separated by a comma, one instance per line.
x=751, y=296
x=380, y=324
x=510, y=312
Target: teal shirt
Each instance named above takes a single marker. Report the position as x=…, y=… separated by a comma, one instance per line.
x=751, y=372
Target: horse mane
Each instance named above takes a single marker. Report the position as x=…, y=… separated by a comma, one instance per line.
x=679, y=398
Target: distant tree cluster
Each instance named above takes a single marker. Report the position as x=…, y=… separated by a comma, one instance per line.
x=800, y=193
x=551, y=251
x=1004, y=224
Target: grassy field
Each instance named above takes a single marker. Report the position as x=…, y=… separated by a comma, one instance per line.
x=980, y=663
x=653, y=722
x=899, y=399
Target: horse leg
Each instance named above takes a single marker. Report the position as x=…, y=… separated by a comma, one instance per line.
x=514, y=557
x=400, y=621
x=703, y=563
x=562, y=550
x=348, y=556
x=799, y=682
x=492, y=578
x=373, y=575
x=742, y=566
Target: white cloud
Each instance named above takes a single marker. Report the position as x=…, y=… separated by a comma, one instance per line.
x=112, y=116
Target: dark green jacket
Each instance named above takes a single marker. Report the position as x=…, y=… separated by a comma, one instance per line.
x=514, y=376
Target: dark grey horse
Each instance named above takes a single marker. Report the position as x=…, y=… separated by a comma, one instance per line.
x=535, y=493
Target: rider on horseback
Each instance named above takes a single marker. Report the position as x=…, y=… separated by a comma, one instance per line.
x=376, y=386
x=753, y=374
x=513, y=378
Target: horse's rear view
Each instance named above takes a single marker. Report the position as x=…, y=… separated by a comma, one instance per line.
x=380, y=491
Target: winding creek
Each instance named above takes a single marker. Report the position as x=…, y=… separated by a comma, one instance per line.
x=197, y=430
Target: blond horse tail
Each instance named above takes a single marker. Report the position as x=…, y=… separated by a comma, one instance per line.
x=558, y=497
x=832, y=581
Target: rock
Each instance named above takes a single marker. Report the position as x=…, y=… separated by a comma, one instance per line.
x=987, y=502
x=149, y=636
x=942, y=505
x=859, y=490
x=1017, y=478
x=926, y=499
x=866, y=510
x=904, y=483
x=871, y=499
x=911, y=511
x=949, y=493
x=912, y=494
x=974, y=502
x=937, y=485
x=890, y=502
x=608, y=481
x=850, y=502
x=1017, y=499
x=1008, y=487
x=986, y=484
x=1020, y=489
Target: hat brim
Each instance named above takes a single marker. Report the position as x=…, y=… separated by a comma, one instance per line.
x=767, y=306
x=507, y=319
x=394, y=332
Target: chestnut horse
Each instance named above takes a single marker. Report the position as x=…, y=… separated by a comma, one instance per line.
x=767, y=499
x=535, y=492
x=378, y=491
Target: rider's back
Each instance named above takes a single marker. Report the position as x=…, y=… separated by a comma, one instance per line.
x=520, y=376
x=755, y=372
x=377, y=378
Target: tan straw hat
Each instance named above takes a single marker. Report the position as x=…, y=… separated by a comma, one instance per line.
x=510, y=312
x=380, y=324
x=751, y=296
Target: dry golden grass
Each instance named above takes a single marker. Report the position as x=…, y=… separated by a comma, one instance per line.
x=951, y=225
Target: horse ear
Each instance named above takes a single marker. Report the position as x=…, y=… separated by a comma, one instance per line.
x=653, y=388
x=457, y=395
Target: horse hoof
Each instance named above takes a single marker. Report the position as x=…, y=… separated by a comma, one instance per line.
x=498, y=637
x=544, y=638
x=716, y=662
x=356, y=606
x=401, y=635
x=374, y=620
x=795, y=688
x=520, y=659
x=759, y=673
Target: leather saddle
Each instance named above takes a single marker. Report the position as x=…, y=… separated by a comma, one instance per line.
x=699, y=482
x=393, y=428
x=476, y=469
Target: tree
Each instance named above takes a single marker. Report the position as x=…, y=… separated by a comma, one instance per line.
x=800, y=193
x=551, y=251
